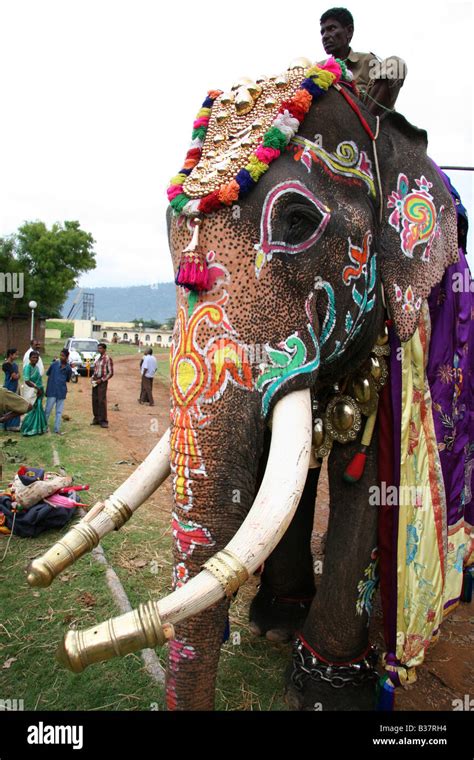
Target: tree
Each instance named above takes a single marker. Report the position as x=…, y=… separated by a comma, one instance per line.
x=49, y=263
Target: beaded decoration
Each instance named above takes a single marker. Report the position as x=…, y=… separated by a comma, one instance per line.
x=284, y=126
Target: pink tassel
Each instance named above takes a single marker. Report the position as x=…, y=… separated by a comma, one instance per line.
x=193, y=272
x=194, y=276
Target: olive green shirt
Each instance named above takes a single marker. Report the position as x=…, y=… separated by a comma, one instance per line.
x=361, y=64
x=12, y=402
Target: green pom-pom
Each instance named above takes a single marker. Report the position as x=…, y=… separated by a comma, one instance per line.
x=275, y=139
x=199, y=132
x=178, y=203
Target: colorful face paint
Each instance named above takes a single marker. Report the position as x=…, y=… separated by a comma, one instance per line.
x=287, y=361
x=180, y=575
x=178, y=652
x=363, y=268
x=188, y=535
x=199, y=376
x=347, y=162
x=267, y=245
x=414, y=215
x=408, y=300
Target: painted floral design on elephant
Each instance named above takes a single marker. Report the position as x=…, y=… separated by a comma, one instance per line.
x=199, y=377
x=368, y=585
x=287, y=360
x=414, y=215
x=179, y=652
x=347, y=164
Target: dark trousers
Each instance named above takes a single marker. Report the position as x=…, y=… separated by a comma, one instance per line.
x=99, y=402
x=146, y=393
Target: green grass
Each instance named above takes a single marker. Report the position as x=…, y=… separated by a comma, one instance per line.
x=34, y=621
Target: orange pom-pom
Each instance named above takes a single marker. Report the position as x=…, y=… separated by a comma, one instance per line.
x=229, y=193
x=303, y=99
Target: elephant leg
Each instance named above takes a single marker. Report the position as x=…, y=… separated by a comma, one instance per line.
x=287, y=583
x=336, y=629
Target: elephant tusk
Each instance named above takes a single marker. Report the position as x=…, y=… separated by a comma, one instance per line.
x=104, y=516
x=262, y=529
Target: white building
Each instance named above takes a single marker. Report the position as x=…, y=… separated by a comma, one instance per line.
x=121, y=332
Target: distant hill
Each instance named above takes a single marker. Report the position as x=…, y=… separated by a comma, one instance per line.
x=157, y=301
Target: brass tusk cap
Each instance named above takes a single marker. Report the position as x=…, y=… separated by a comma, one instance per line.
x=79, y=540
x=139, y=629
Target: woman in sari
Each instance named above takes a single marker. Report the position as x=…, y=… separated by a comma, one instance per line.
x=34, y=423
x=12, y=374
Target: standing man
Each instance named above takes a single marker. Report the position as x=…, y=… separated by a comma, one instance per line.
x=35, y=345
x=378, y=82
x=103, y=371
x=148, y=369
x=59, y=373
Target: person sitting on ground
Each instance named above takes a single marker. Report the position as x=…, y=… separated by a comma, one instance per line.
x=12, y=405
x=59, y=373
x=378, y=82
x=148, y=368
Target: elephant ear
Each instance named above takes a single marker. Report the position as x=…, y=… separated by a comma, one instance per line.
x=418, y=235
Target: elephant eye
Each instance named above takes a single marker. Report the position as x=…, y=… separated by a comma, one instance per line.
x=299, y=222
x=293, y=219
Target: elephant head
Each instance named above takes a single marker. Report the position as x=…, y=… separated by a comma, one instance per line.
x=299, y=225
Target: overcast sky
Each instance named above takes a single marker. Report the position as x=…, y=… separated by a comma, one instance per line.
x=98, y=99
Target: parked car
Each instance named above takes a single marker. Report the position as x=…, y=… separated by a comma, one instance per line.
x=82, y=353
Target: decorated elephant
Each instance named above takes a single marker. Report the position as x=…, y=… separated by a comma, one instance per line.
x=315, y=250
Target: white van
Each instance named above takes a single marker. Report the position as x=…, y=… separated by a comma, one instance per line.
x=82, y=352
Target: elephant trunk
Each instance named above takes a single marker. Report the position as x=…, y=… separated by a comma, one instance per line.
x=261, y=530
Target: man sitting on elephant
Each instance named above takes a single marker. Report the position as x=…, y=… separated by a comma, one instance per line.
x=378, y=82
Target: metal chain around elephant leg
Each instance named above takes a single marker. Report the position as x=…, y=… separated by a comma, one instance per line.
x=336, y=629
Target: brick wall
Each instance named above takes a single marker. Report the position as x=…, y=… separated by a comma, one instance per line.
x=15, y=333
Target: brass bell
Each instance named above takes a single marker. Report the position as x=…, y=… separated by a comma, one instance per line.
x=342, y=416
x=222, y=116
x=375, y=368
x=257, y=123
x=218, y=139
x=243, y=101
x=270, y=102
x=318, y=433
x=382, y=339
x=300, y=63
x=361, y=387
